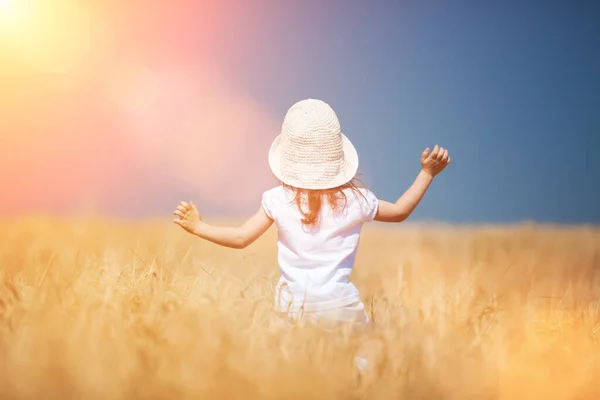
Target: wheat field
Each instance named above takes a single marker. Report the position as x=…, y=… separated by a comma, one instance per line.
x=101, y=309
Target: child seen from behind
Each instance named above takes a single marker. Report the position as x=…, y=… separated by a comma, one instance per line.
x=319, y=210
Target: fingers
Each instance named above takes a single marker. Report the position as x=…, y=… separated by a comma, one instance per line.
x=184, y=208
x=181, y=209
x=425, y=153
x=179, y=214
x=438, y=154
x=445, y=156
x=434, y=153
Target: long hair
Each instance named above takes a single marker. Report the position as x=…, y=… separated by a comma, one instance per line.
x=313, y=200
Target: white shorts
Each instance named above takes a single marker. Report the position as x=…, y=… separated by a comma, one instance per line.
x=353, y=314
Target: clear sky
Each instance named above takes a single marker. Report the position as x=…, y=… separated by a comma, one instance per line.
x=160, y=102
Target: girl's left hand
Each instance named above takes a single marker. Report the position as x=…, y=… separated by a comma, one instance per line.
x=188, y=216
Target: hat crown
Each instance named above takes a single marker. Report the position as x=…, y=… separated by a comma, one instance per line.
x=311, y=134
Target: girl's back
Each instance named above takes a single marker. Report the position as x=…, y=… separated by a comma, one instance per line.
x=316, y=259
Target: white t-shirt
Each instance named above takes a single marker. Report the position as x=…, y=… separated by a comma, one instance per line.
x=316, y=263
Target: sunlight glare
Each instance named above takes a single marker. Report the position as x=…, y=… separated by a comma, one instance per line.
x=10, y=15
x=49, y=38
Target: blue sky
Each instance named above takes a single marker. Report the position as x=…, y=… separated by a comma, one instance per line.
x=511, y=89
x=181, y=101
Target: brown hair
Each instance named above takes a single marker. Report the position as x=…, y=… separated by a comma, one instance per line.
x=313, y=199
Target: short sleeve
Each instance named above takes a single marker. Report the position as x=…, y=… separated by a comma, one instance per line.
x=369, y=205
x=267, y=203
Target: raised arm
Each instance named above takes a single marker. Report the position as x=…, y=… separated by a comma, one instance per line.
x=239, y=237
x=431, y=165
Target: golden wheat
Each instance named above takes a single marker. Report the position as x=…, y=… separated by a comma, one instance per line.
x=98, y=309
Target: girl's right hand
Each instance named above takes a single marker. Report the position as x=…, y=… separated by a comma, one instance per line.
x=188, y=216
x=435, y=162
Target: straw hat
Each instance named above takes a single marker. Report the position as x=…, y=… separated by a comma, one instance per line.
x=311, y=152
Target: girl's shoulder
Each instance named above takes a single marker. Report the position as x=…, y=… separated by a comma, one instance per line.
x=360, y=193
x=363, y=190
x=272, y=198
x=275, y=193
x=364, y=202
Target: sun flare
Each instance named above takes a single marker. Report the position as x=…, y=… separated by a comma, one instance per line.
x=49, y=39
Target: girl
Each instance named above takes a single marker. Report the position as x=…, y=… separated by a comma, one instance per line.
x=319, y=211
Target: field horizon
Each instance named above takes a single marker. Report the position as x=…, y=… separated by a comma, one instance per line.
x=112, y=309
x=166, y=219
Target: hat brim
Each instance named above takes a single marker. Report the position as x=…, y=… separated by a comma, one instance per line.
x=345, y=175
